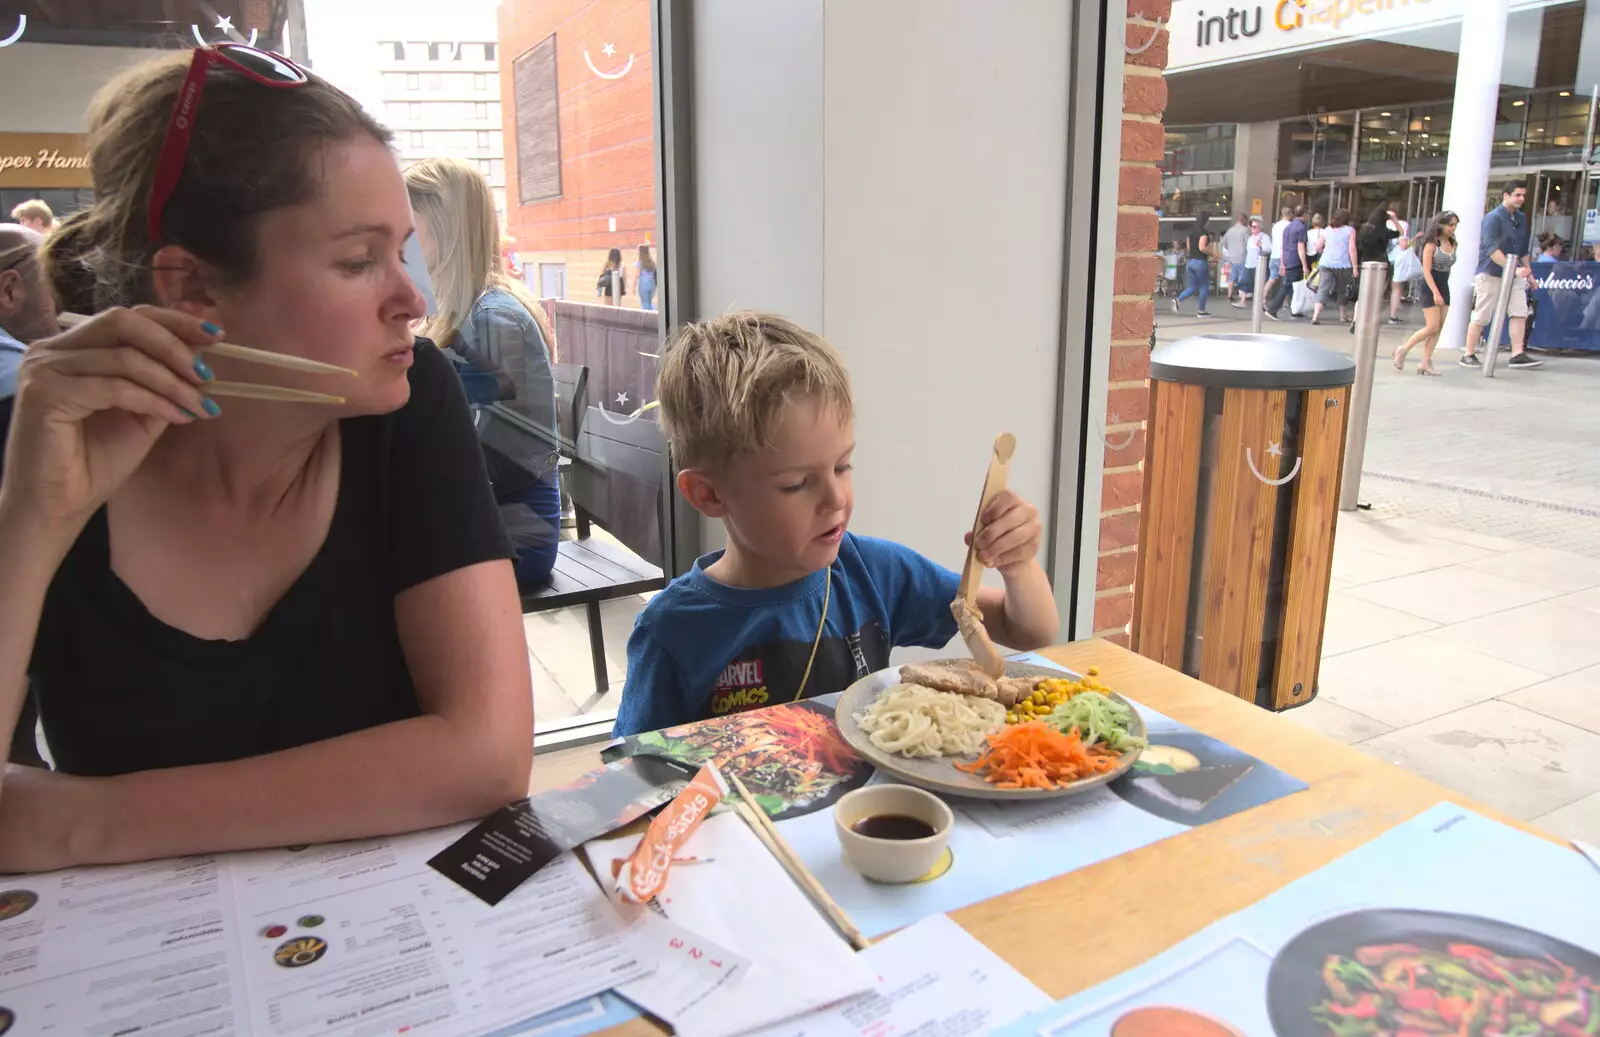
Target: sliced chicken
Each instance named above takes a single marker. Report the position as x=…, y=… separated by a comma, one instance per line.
x=965, y=677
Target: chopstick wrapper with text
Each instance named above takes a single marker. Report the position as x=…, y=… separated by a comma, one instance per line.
x=644, y=873
x=514, y=842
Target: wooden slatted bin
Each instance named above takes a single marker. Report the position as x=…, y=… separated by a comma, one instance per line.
x=1241, y=490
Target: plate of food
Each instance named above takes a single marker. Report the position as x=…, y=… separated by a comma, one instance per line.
x=1385, y=971
x=1035, y=733
x=791, y=755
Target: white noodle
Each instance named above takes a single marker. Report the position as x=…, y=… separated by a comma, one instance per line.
x=915, y=721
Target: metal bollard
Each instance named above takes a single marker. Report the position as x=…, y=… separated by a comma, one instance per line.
x=1259, y=303
x=1497, y=324
x=1369, y=309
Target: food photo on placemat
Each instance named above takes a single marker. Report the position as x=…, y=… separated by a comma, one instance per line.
x=1394, y=971
x=791, y=756
x=1190, y=778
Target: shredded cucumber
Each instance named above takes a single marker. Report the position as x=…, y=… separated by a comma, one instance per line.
x=1098, y=719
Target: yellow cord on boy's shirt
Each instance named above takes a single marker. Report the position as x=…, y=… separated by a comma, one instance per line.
x=827, y=592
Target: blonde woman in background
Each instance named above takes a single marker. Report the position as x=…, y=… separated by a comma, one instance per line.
x=497, y=338
x=645, y=278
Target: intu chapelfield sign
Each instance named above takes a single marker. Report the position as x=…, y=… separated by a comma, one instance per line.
x=1217, y=32
x=43, y=160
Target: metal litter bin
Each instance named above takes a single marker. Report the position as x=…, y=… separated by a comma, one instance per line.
x=1242, y=468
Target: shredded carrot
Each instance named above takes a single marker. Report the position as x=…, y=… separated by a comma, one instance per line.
x=1037, y=756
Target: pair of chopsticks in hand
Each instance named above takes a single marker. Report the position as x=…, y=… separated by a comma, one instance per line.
x=250, y=390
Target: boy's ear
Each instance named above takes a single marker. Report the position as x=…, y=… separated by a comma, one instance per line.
x=699, y=491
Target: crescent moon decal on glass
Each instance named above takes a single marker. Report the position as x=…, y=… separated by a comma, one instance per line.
x=627, y=419
x=22, y=24
x=1114, y=447
x=195, y=29
x=1275, y=451
x=607, y=75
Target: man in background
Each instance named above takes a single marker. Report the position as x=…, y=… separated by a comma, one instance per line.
x=1275, y=264
x=27, y=309
x=35, y=215
x=1505, y=233
x=1235, y=242
x=1294, y=262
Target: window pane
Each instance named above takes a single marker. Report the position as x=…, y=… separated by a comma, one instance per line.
x=1430, y=130
x=1330, y=154
x=1383, y=142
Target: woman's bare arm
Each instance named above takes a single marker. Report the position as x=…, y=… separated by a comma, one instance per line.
x=469, y=753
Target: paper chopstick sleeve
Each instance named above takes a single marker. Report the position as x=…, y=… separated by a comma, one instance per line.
x=644, y=874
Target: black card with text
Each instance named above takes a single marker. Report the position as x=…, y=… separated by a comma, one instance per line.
x=511, y=844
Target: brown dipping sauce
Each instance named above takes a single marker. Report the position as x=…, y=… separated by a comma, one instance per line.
x=892, y=826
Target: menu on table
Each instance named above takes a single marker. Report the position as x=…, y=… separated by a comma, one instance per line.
x=1450, y=923
x=359, y=937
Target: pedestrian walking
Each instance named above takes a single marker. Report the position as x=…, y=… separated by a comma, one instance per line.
x=1505, y=233
x=1258, y=245
x=1398, y=245
x=612, y=284
x=1275, y=263
x=1198, y=268
x=1315, y=236
x=645, y=278
x=1293, y=264
x=1336, y=272
x=1235, y=242
x=1437, y=250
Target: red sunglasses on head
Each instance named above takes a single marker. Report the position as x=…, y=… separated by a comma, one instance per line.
x=262, y=66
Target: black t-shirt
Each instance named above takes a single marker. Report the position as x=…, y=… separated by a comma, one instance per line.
x=1196, y=236
x=119, y=690
x=1372, y=244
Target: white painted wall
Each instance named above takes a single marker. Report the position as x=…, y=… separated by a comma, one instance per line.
x=945, y=192
x=758, y=153
x=47, y=87
x=894, y=173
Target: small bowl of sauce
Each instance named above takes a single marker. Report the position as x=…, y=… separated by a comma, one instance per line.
x=892, y=833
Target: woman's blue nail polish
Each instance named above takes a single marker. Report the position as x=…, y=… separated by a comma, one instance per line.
x=203, y=369
x=211, y=407
x=191, y=415
x=210, y=328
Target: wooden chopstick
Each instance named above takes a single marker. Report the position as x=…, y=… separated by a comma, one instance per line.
x=268, y=359
x=246, y=353
x=245, y=390
x=964, y=608
x=767, y=832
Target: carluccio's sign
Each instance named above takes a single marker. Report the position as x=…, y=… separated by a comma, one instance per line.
x=1209, y=32
x=44, y=160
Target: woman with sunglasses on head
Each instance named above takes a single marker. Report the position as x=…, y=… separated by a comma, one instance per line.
x=1437, y=249
x=494, y=328
x=262, y=623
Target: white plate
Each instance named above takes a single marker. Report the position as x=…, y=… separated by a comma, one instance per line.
x=939, y=774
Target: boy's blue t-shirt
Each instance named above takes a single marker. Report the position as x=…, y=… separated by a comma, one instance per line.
x=701, y=649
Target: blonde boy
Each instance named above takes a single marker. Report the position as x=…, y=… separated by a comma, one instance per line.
x=759, y=414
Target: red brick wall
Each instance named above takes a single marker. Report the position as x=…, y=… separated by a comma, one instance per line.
x=606, y=125
x=1144, y=98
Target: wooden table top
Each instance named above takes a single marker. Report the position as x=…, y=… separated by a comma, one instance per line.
x=1076, y=930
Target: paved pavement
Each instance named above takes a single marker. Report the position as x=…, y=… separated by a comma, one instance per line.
x=1461, y=634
